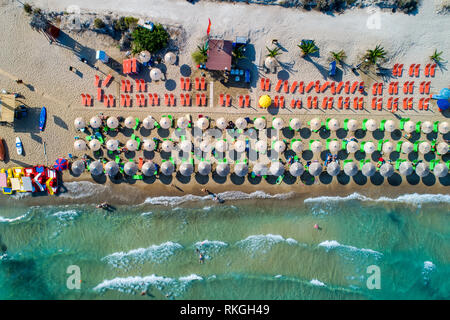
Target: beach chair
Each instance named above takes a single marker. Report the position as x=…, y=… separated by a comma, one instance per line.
x=221, y=101
x=138, y=100
x=138, y=85
x=427, y=70
x=143, y=85
x=286, y=86
x=293, y=104
x=425, y=104
x=99, y=94
x=172, y=100
x=111, y=100
x=155, y=99
x=354, y=86
x=417, y=70
x=128, y=82
x=394, y=70
x=123, y=87
x=340, y=102
x=299, y=104
x=355, y=103
x=188, y=100
x=83, y=99
x=317, y=86
x=427, y=87
x=150, y=100
x=421, y=103
x=187, y=84
x=228, y=100
x=330, y=103
x=374, y=103
x=422, y=87
x=241, y=101
x=432, y=70
x=309, y=87
x=410, y=103
x=347, y=103
x=333, y=88
x=281, y=102
x=411, y=70
x=315, y=102
x=275, y=102
x=203, y=96
x=405, y=87
x=278, y=86
x=267, y=84
x=411, y=87
x=380, y=88
x=203, y=83
x=395, y=105
x=308, y=102
x=182, y=83
x=405, y=103
x=396, y=87
x=197, y=84
x=389, y=103
x=347, y=87
x=361, y=103
x=197, y=100
x=122, y=100
x=339, y=87
x=88, y=100
x=166, y=99
x=374, y=89
x=301, y=87
x=96, y=81
x=294, y=86
x=182, y=101
x=324, y=103
x=400, y=70
x=261, y=84
x=391, y=88
x=247, y=101
x=107, y=80
x=324, y=86
x=143, y=100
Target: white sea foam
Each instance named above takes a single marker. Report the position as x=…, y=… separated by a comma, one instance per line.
x=210, y=247
x=137, y=284
x=413, y=198
x=149, y=213
x=262, y=243
x=9, y=220
x=82, y=189
x=318, y=283
x=333, y=244
x=67, y=215
x=154, y=253
x=428, y=266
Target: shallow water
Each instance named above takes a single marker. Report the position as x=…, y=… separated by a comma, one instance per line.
x=254, y=248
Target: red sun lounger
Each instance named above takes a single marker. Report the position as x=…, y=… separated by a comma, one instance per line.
x=172, y=100
x=138, y=85
x=422, y=87
x=197, y=84
x=421, y=103
x=128, y=85
x=308, y=102
x=417, y=70
x=400, y=70
x=188, y=99
x=347, y=87
x=166, y=99
x=275, y=101
x=347, y=103
x=128, y=100
x=411, y=70
x=405, y=87
x=83, y=99
x=286, y=86
x=374, y=103
x=221, y=100
x=361, y=103
x=425, y=103
x=106, y=101
x=374, y=89
x=391, y=88
x=155, y=99
x=203, y=83
x=122, y=100
x=143, y=102
x=324, y=87
x=150, y=100
x=97, y=81
x=278, y=86
x=427, y=87
x=123, y=87
x=354, y=86
x=111, y=100
x=389, y=103
x=197, y=100
x=88, y=100
x=247, y=101
x=301, y=87
x=282, y=102
x=410, y=103
x=309, y=86
x=339, y=87
x=432, y=70
x=182, y=83
x=138, y=100
x=293, y=103
x=261, y=84
x=241, y=101
x=380, y=88
x=396, y=87
x=267, y=85
x=324, y=103
x=143, y=86
x=294, y=86
x=317, y=86
x=405, y=104
x=380, y=104
x=394, y=70
x=99, y=94
x=355, y=103
x=187, y=84
x=107, y=80
x=427, y=70
x=228, y=100
x=411, y=87
x=182, y=98
x=333, y=88
x=299, y=104
x=203, y=96
x=340, y=102
x=330, y=103
x=315, y=103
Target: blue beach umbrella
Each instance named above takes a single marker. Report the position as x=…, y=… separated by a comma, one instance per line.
x=61, y=164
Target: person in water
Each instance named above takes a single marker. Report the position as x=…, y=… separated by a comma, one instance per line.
x=103, y=205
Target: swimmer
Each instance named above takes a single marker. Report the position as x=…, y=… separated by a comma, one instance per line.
x=201, y=258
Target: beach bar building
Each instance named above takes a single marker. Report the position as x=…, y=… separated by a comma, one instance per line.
x=219, y=55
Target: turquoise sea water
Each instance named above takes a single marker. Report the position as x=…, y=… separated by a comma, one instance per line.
x=255, y=246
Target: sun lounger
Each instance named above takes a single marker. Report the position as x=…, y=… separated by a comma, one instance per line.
x=333, y=88
x=299, y=104
x=241, y=101
x=197, y=100
x=267, y=84
x=339, y=87
x=286, y=86
x=138, y=85
x=347, y=103
x=396, y=87
x=317, y=86
x=281, y=102
x=347, y=87
x=354, y=86
x=411, y=87
x=380, y=104
x=301, y=87
x=143, y=100
x=188, y=100
x=394, y=70
x=128, y=100
x=182, y=101
x=395, y=105
x=308, y=102
x=380, y=88
x=400, y=70
x=278, y=86
x=99, y=94
x=228, y=100
x=172, y=100
x=324, y=103
x=107, y=80
x=123, y=86
x=417, y=70
x=340, y=103
x=374, y=103
x=432, y=70
x=275, y=102
x=411, y=70
x=203, y=96
x=421, y=103
x=427, y=87
x=138, y=100
x=315, y=103
x=166, y=99
x=150, y=100
x=187, y=84
x=128, y=82
x=221, y=100
x=88, y=100
x=293, y=103
x=391, y=88
x=422, y=87
x=361, y=103
x=111, y=100
x=197, y=84
x=247, y=101
x=122, y=100
x=97, y=81
x=425, y=104
x=309, y=87
x=261, y=83
x=143, y=86
x=405, y=87
x=389, y=103
x=203, y=83
x=155, y=99
x=374, y=89
x=330, y=103
x=83, y=99
x=405, y=104
x=355, y=103
x=324, y=87
x=294, y=86
x=427, y=70
x=182, y=83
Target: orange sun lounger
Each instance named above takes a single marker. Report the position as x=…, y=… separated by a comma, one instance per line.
x=400, y=70
x=299, y=104
x=432, y=70
x=281, y=102
x=267, y=85
x=380, y=88
x=247, y=101
x=128, y=82
x=203, y=83
x=347, y=103
x=355, y=103
x=421, y=103
x=333, y=88
x=111, y=100
x=150, y=100
x=278, y=86
x=361, y=103
x=330, y=103
x=228, y=100
x=339, y=87
x=340, y=102
x=182, y=101
x=286, y=86
x=394, y=70
x=122, y=100
x=427, y=70
x=197, y=100
x=374, y=103
x=374, y=89
x=405, y=103
x=275, y=101
x=380, y=104
x=97, y=81
x=203, y=96
x=308, y=102
x=182, y=83
x=405, y=87
x=411, y=87
x=417, y=70
x=88, y=100
x=427, y=87
x=128, y=100
x=123, y=87
x=155, y=99
x=391, y=88
x=261, y=84
x=221, y=100
x=138, y=100
x=99, y=94
x=315, y=102
x=324, y=103
x=294, y=86
x=425, y=103
x=324, y=87
x=197, y=84
x=389, y=103
x=347, y=87
x=309, y=86
x=166, y=99
x=143, y=86
x=411, y=70
x=422, y=87
x=301, y=87
x=138, y=85
x=293, y=103
x=317, y=87
x=187, y=84
x=143, y=102
x=410, y=103
x=188, y=99
x=83, y=99
x=107, y=80
x=354, y=86
x=241, y=101
x=106, y=101
x=172, y=100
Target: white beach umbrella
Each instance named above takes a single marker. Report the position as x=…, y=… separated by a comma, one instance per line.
x=260, y=169
x=422, y=170
x=279, y=146
x=240, y=169
x=241, y=123
x=78, y=167
x=95, y=122
x=276, y=168
x=333, y=168
x=170, y=58
x=165, y=122
x=350, y=169
x=410, y=126
x=111, y=168
x=205, y=146
x=389, y=125
x=112, y=122
x=259, y=123
x=132, y=145
x=369, y=147
x=96, y=168
x=406, y=168
x=94, y=145
x=270, y=62
x=79, y=123
x=167, y=146
x=223, y=169
x=278, y=123
x=203, y=123
x=334, y=146
x=182, y=123
x=149, y=145
x=334, y=125
x=316, y=146
x=352, y=147
x=424, y=147
x=221, y=123
x=297, y=146
x=407, y=147
x=368, y=169
x=186, y=146
x=79, y=145
x=388, y=147
x=155, y=74
x=204, y=168
x=148, y=123
x=239, y=146
x=167, y=168
x=443, y=127
x=440, y=170
x=442, y=148
x=112, y=144
x=130, y=168
x=186, y=169
x=371, y=125
x=295, y=124
x=145, y=56
x=148, y=169
x=261, y=146
x=427, y=127
x=315, y=168
x=387, y=170
x=352, y=125
x=315, y=124
x=296, y=169
x=221, y=146
x=130, y=122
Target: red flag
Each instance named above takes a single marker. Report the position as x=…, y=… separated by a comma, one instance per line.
x=209, y=27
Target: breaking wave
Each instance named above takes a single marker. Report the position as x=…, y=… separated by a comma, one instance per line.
x=333, y=244
x=263, y=243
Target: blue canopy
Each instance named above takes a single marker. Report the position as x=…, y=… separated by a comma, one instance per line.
x=332, y=69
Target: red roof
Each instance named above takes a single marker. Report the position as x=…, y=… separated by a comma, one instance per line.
x=219, y=54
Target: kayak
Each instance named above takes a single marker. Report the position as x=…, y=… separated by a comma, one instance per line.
x=2, y=150
x=19, y=146
x=42, y=119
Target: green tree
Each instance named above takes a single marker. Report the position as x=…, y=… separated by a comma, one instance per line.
x=273, y=53
x=153, y=41
x=338, y=56
x=308, y=47
x=373, y=55
x=201, y=54
x=436, y=56
x=98, y=23
x=27, y=8
x=238, y=53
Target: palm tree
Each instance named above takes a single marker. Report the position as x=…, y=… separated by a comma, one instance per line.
x=373, y=55
x=238, y=53
x=308, y=47
x=273, y=53
x=338, y=56
x=201, y=54
x=436, y=57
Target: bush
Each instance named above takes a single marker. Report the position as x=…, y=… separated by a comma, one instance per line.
x=153, y=41
x=407, y=5
x=125, y=23
x=98, y=23
x=199, y=57
x=27, y=8
x=37, y=11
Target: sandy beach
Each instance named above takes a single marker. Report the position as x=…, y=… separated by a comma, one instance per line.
x=43, y=67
